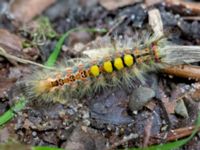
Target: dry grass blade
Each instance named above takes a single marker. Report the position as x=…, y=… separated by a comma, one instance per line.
x=24, y=61
x=172, y=135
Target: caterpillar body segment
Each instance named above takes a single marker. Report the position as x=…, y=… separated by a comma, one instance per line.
x=106, y=67
x=109, y=64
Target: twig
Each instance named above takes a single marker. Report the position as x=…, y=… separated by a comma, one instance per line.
x=172, y=135
x=191, y=18
x=184, y=71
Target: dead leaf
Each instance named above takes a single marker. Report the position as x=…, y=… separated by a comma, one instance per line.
x=115, y=4
x=10, y=41
x=170, y=106
x=194, y=6
x=4, y=135
x=12, y=44
x=25, y=10
x=85, y=138
x=111, y=107
x=152, y=2
x=5, y=85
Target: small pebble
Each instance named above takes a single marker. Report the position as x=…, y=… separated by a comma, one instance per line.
x=34, y=134
x=140, y=97
x=181, y=109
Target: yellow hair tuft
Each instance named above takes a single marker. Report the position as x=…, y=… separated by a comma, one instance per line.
x=108, y=66
x=118, y=63
x=128, y=60
x=94, y=70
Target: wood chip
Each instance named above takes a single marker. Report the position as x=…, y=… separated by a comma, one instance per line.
x=169, y=106
x=115, y=4
x=155, y=22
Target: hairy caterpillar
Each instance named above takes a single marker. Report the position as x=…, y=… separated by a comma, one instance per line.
x=110, y=63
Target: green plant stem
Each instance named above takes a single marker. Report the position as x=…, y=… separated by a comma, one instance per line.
x=9, y=114
x=45, y=148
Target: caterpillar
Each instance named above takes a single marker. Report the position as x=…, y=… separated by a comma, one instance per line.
x=117, y=62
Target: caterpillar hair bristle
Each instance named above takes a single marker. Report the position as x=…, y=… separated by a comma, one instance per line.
x=110, y=62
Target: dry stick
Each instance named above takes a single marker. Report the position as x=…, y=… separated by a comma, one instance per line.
x=184, y=71
x=191, y=18
x=173, y=135
x=24, y=61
